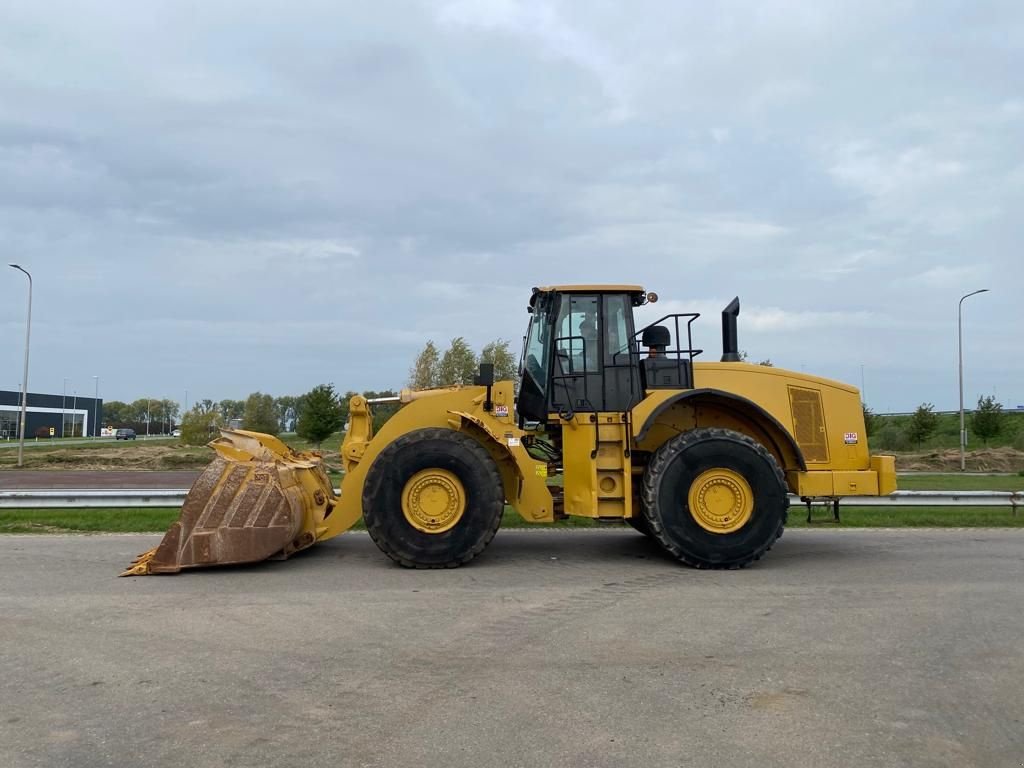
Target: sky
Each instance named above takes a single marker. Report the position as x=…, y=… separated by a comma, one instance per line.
x=223, y=197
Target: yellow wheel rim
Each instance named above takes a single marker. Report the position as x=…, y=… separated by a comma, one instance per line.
x=721, y=500
x=433, y=500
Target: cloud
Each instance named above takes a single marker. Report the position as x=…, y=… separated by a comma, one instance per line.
x=943, y=276
x=307, y=192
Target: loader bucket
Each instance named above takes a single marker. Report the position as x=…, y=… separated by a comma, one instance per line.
x=257, y=500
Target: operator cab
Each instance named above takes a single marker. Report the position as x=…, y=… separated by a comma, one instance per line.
x=582, y=352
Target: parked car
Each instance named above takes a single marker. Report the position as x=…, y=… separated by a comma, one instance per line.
x=176, y=433
x=124, y=434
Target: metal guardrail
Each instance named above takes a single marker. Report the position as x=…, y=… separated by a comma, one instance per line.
x=163, y=497
x=92, y=498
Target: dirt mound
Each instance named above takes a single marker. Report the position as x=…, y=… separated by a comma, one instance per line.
x=948, y=460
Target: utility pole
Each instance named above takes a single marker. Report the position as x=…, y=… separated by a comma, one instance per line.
x=960, y=350
x=96, y=409
x=24, y=382
x=63, y=407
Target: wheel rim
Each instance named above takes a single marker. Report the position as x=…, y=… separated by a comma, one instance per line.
x=721, y=500
x=433, y=500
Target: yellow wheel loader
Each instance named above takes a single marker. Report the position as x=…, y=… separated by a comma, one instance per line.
x=610, y=422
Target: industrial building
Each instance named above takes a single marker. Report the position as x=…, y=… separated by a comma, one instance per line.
x=50, y=415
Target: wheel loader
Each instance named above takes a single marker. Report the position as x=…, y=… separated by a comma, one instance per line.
x=609, y=421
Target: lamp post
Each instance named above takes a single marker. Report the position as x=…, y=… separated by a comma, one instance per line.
x=63, y=407
x=74, y=413
x=147, y=416
x=960, y=351
x=24, y=382
x=96, y=409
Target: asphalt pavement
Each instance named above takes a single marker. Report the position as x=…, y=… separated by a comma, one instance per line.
x=555, y=648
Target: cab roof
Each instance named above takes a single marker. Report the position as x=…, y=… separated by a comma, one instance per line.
x=607, y=288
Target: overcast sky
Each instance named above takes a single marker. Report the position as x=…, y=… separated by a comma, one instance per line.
x=229, y=197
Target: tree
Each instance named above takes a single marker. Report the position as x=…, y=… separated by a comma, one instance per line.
x=870, y=420
x=116, y=413
x=141, y=410
x=425, y=371
x=922, y=423
x=381, y=411
x=259, y=415
x=500, y=356
x=987, y=421
x=285, y=407
x=163, y=413
x=321, y=414
x=231, y=409
x=458, y=366
x=199, y=425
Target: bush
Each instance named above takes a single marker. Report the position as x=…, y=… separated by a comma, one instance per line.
x=1018, y=441
x=199, y=428
x=891, y=438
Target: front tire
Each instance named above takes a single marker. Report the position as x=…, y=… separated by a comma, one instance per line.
x=433, y=498
x=715, y=498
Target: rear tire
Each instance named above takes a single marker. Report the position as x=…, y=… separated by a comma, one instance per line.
x=741, y=534
x=639, y=524
x=452, y=455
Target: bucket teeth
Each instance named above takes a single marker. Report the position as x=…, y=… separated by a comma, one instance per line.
x=140, y=565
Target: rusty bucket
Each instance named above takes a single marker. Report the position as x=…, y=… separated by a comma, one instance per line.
x=257, y=500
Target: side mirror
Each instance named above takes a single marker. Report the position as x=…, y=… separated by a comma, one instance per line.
x=485, y=378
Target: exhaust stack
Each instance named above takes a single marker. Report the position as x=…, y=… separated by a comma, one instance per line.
x=730, y=343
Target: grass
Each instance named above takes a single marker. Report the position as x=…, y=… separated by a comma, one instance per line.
x=947, y=431
x=151, y=520
x=125, y=520
x=966, y=482
x=908, y=517
x=158, y=520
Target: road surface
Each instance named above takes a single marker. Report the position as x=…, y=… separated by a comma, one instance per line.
x=555, y=648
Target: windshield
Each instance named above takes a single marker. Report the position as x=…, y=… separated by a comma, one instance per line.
x=536, y=353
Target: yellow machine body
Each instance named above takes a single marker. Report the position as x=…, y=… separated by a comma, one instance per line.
x=260, y=500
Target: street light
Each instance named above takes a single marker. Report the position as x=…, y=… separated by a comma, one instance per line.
x=24, y=383
x=960, y=349
x=63, y=407
x=96, y=409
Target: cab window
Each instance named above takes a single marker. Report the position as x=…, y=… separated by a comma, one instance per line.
x=576, y=339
